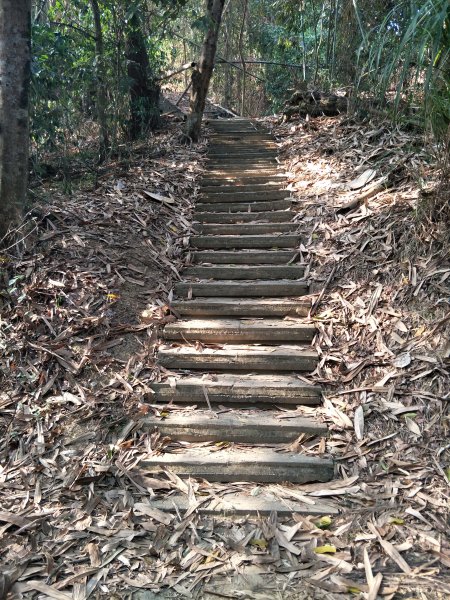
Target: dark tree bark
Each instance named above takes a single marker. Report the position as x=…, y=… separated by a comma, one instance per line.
x=228, y=74
x=102, y=100
x=201, y=76
x=15, y=25
x=144, y=89
x=241, y=55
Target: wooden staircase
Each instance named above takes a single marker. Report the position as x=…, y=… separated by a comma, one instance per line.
x=241, y=339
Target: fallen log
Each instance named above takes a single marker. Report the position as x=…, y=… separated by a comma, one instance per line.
x=315, y=104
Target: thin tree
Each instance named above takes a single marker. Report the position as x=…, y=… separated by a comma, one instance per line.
x=102, y=99
x=15, y=26
x=241, y=55
x=201, y=76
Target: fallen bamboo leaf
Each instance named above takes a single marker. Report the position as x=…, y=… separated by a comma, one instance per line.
x=359, y=423
x=159, y=197
x=363, y=179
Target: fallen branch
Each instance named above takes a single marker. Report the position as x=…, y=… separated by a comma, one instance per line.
x=183, y=68
x=316, y=304
x=183, y=94
x=374, y=189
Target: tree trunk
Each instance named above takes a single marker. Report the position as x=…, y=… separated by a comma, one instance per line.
x=241, y=54
x=15, y=24
x=228, y=75
x=201, y=76
x=102, y=100
x=348, y=40
x=144, y=90
x=302, y=24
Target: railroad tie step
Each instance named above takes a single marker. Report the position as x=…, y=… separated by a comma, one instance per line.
x=232, y=162
x=244, y=187
x=237, y=390
x=241, y=307
x=236, y=180
x=221, y=152
x=236, y=132
x=244, y=257
x=250, y=207
x=242, y=171
x=276, y=216
x=241, y=504
x=208, y=426
x=243, y=143
x=242, y=289
x=245, y=228
x=237, y=272
x=239, y=196
x=262, y=465
x=244, y=241
x=241, y=357
x=232, y=331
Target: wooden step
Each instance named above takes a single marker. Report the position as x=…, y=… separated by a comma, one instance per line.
x=239, y=358
x=236, y=331
x=242, y=289
x=244, y=228
x=241, y=504
x=262, y=465
x=244, y=129
x=230, y=149
x=228, y=179
x=244, y=241
x=231, y=124
x=241, y=307
x=255, y=207
x=275, y=216
x=242, y=171
x=238, y=159
x=237, y=390
x=231, y=272
x=243, y=142
x=241, y=163
x=212, y=197
x=248, y=152
x=258, y=428
x=232, y=189
x=224, y=147
x=238, y=136
x=233, y=135
x=245, y=257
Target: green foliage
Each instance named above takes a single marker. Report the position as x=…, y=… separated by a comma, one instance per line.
x=63, y=93
x=61, y=72
x=398, y=49
x=409, y=56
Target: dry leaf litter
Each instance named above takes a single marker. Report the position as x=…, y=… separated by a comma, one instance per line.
x=81, y=307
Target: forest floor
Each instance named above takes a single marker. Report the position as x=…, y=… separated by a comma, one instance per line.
x=81, y=304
